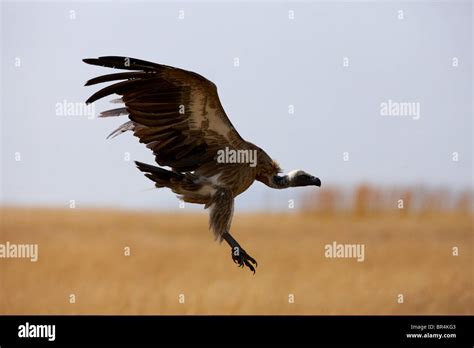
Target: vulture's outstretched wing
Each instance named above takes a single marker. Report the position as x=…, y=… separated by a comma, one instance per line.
x=176, y=113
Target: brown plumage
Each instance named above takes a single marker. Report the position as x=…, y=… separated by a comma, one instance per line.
x=178, y=115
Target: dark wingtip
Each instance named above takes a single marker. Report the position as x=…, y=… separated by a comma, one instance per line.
x=89, y=60
x=92, y=61
x=142, y=166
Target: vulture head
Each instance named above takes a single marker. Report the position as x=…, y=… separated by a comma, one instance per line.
x=301, y=178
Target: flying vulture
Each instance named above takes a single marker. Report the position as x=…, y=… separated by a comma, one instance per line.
x=179, y=116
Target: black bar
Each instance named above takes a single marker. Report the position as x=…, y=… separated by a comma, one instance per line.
x=240, y=330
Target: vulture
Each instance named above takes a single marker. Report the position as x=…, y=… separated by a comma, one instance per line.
x=178, y=115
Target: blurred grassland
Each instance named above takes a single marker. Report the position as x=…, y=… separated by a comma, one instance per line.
x=81, y=252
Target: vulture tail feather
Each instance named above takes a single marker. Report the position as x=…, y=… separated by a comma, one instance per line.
x=162, y=177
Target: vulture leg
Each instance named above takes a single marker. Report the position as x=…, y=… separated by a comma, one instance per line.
x=239, y=255
x=222, y=207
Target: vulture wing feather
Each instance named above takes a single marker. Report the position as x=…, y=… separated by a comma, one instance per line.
x=176, y=113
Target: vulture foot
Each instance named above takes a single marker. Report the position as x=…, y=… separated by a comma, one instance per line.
x=241, y=257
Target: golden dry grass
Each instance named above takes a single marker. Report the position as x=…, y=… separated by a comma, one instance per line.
x=81, y=253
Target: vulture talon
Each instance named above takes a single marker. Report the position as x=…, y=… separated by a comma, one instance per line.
x=249, y=266
x=243, y=259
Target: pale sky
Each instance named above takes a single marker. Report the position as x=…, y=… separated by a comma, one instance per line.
x=333, y=63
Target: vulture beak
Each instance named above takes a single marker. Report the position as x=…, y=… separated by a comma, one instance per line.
x=316, y=181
